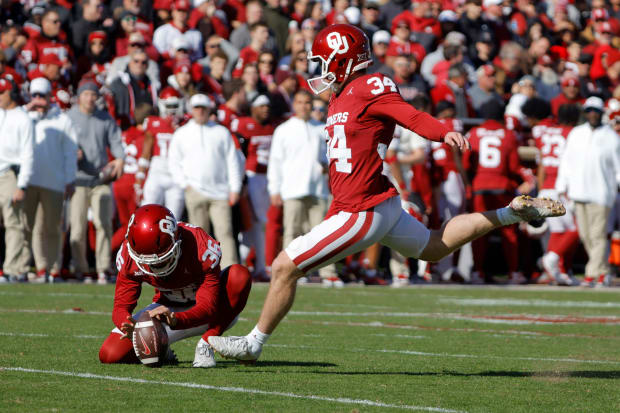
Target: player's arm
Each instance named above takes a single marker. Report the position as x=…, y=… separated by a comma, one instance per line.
x=393, y=106
x=125, y=300
x=145, y=159
x=205, y=308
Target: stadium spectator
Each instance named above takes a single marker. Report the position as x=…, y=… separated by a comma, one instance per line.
x=259, y=34
x=53, y=178
x=204, y=162
x=296, y=174
x=97, y=133
x=277, y=20
x=130, y=89
x=165, y=35
x=454, y=90
x=235, y=100
x=16, y=163
x=380, y=44
x=216, y=45
x=95, y=63
x=484, y=89
x=409, y=82
x=94, y=17
x=588, y=176
x=370, y=17
x=570, y=92
x=266, y=65
x=295, y=45
x=11, y=41
x=240, y=37
x=120, y=63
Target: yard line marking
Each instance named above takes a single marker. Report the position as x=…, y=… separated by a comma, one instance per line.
x=507, y=302
x=470, y=356
x=56, y=294
x=43, y=311
x=342, y=400
x=565, y=360
x=9, y=334
x=377, y=324
x=519, y=319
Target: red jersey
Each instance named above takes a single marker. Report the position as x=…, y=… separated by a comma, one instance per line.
x=493, y=157
x=162, y=130
x=360, y=125
x=442, y=155
x=398, y=48
x=550, y=140
x=195, y=280
x=41, y=45
x=132, y=140
x=258, y=138
x=560, y=100
x=247, y=55
x=226, y=115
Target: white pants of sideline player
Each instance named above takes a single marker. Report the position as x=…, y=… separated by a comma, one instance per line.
x=346, y=233
x=176, y=335
x=160, y=189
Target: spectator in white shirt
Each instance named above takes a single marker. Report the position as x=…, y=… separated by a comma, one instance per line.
x=53, y=178
x=16, y=153
x=296, y=173
x=589, y=175
x=296, y=176
x=164, y=36
x=204, y=161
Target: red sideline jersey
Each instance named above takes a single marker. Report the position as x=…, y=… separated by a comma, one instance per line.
x=259, y=142
x=194, y=280
x=360, y=126
x=442, y=155
x=493, y=157
x=162, y=130
x=133, y=141
x=550, y=140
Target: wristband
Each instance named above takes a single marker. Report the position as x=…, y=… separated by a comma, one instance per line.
x=143, y=162
x=140, y=175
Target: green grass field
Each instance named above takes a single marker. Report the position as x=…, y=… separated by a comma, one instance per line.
x=438, y=349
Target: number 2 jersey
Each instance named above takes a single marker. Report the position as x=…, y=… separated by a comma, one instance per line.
x=360, y=125
x=195, y=280
x=550, y=140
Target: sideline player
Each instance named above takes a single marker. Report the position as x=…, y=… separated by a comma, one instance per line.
x=192, y=296
x=363, y=111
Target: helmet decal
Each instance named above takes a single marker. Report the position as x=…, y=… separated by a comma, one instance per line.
x=337, y=42
x=168, y=225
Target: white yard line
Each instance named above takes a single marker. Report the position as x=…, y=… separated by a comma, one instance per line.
x=342, y=400
x=515, y=302
x=57, y=294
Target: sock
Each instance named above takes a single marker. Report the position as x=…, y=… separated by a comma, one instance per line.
x=507, y=216
x=256, y=338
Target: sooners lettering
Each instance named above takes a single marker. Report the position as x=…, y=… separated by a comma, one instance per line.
x=340, y=117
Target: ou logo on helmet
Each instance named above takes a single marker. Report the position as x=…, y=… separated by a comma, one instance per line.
x=168, y=225
x=337, y=42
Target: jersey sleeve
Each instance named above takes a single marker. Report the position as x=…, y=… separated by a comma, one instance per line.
x=127, y=289
x=209, y=254
x=384, y=101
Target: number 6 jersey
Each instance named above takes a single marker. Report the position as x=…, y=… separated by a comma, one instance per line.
x=360, y=125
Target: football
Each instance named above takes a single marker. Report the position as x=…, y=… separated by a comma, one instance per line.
x=105, y=176
x=150, y=340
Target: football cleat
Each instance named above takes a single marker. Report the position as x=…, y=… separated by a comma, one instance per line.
x=517, y=278
x=588, y=281
x=567, y=279
x=529, y=209
x=401, y=280
x=235, y=347
x=603, y=281
x=204, y=356
x=335, y=282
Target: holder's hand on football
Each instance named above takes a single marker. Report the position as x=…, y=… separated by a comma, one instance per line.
x=163, y=313
x=127, y=328
x=456, y=139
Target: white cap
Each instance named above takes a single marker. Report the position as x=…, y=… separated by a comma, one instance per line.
x=353, y=15
x=487, y=3
x=180, y=43
x=260, y=101
x=594, y=102
x=447, y=16
x=381, y=36
x=201, y=100
x=40, y=85
x=197, y=3
x=456, y=38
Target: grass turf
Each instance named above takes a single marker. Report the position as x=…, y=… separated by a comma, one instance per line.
x=353, y=349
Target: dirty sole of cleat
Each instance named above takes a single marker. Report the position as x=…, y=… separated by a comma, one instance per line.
x=532, y=208
x=244, y=362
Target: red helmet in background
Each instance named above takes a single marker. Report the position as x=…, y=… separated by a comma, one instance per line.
x=153, y=241
x=170, y=102
x=341, y=49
